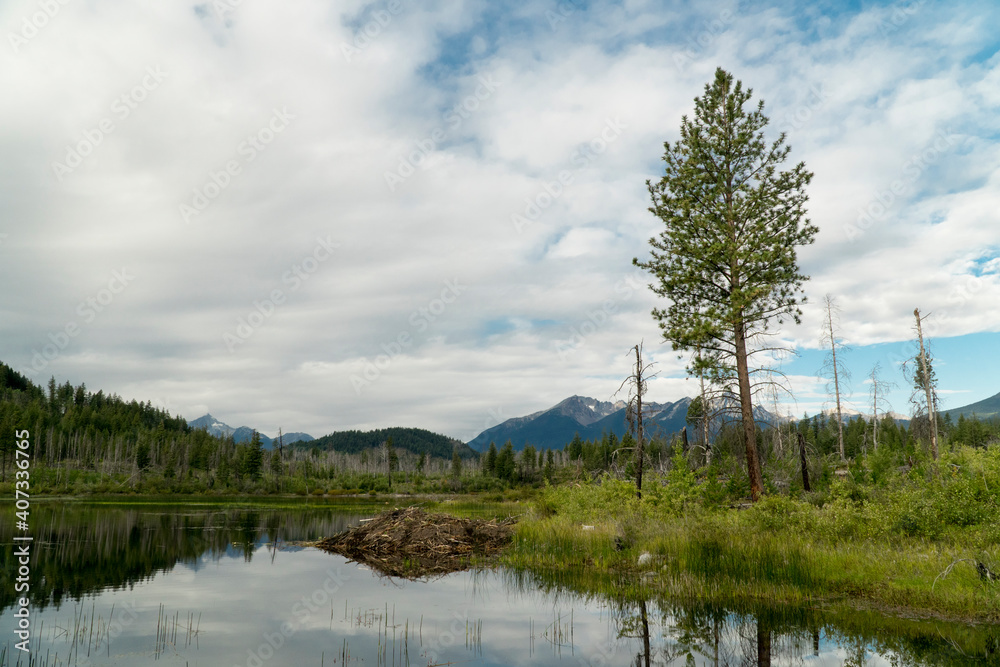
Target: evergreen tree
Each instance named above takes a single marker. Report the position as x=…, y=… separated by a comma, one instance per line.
x=528, y=461
x=142, y=456
x=276, y=463
x=253, y=460
x=576, y=447
x=727, y=258
x=491, y=460
x=456, y=464
x=506, y=466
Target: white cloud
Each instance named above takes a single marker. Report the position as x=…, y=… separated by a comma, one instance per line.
x=594, y=96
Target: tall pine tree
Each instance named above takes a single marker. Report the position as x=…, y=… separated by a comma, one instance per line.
x=726, y=260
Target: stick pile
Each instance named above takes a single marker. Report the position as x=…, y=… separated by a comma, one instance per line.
x=412, y=543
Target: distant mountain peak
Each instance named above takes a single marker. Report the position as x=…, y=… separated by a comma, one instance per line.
x=589, y=417
x=243, y=433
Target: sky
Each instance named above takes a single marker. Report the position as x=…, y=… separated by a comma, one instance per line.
x=319, y=216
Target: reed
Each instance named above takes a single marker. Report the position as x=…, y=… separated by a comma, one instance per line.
x=781, y=550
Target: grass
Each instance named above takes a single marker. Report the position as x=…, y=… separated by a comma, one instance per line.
x=868, y=551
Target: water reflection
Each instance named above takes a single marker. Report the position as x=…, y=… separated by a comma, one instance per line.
x=81, y=549
x=222, y=586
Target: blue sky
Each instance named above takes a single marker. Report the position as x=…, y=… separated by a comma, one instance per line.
x=319, y=216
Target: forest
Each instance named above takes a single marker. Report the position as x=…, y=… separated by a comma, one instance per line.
x=93, y=443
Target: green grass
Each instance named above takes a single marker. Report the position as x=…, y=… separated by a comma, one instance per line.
x=882, y=547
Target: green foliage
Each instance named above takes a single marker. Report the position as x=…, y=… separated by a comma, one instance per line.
x=726, y=259
x=142, y=456
x=506, y=466
x=252, y=459
x=414, y=440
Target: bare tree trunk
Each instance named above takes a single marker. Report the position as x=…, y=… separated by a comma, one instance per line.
x=836, y=375
x=802, y=459
x=704, y=420
x=874, y=377
x=746, y=409
x=638, y=399
x=931, y=417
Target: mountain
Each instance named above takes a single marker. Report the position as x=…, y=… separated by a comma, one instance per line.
x=984, y=409
x=555, y=427
x=244, y=433
x=415, y=440
x=851, y=413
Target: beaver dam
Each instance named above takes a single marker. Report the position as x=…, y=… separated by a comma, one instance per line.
x=413, y=543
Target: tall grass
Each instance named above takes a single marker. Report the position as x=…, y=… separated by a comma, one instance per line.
x=885, y=545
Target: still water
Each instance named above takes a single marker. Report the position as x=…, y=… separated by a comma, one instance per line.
x=223, y=585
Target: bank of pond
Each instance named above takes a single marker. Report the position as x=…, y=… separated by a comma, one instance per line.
x=209, y=583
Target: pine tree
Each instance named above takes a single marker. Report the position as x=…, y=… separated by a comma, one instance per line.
x=253, y=461
x=727, y=258
x=491, y=460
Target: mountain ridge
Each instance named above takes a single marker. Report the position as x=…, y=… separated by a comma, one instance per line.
x=984, y=409
x=243, y=433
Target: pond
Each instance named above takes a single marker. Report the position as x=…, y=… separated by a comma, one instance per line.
x=222, y=584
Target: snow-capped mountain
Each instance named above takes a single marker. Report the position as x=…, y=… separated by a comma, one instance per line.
x=243, y=433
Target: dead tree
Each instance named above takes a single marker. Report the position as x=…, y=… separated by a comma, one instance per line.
x=802, y=459
x=633, y=413
x=926, y=382
x=878, y=392
x=836, y=371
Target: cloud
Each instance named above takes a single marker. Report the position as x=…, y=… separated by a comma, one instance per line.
x=488, y=111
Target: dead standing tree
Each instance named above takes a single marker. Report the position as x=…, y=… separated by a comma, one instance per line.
x=926, y=379
x=925, y=383
x=633, y=411
x=835, y=368
x=878, y=394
